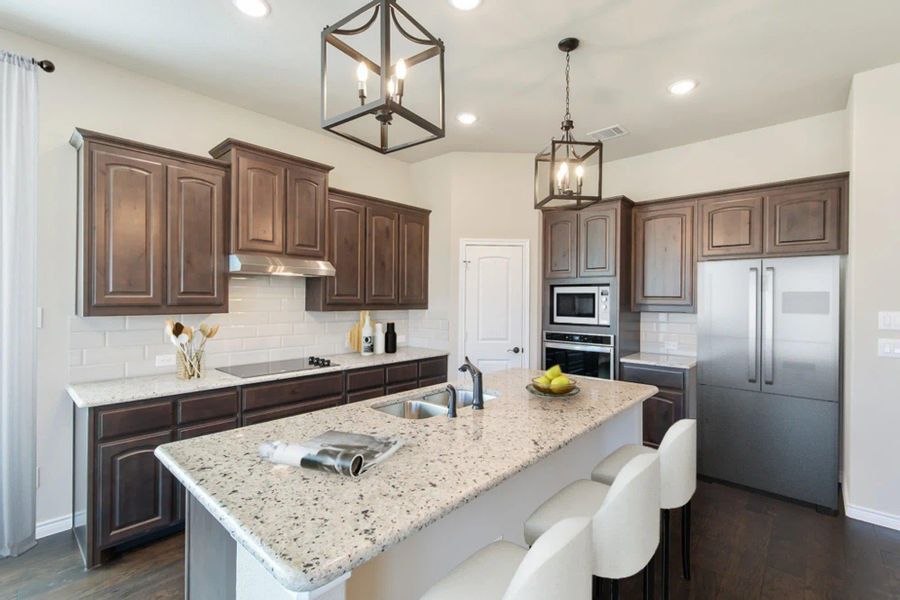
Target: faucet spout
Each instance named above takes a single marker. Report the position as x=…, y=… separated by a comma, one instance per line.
x=477, y=383
x=451, y=401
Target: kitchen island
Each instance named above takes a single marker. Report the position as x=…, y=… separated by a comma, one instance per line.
x=257, y=530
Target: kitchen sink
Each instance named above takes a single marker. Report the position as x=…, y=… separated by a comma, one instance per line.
x=429, y=405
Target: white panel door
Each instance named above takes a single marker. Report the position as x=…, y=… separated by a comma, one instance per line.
x=495, y=306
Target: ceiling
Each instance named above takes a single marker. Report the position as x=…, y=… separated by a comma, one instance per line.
x=759, y=62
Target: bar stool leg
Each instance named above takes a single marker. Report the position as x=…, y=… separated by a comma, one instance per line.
x=596, y=588
x=648, y=580
x=665, y=554
x=615, y=589
x=686, y=540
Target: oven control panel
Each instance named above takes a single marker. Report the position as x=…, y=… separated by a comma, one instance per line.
x=579, y=338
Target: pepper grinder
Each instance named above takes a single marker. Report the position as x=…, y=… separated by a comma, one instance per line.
x=390, y=339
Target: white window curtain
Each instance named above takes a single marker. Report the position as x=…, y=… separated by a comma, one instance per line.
x=18, y=228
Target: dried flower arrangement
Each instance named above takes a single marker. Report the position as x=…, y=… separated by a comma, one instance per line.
x=190, y=344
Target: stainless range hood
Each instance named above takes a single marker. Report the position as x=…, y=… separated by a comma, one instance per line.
x=260, y=264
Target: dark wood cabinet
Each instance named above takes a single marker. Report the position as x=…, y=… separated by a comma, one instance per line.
x=809, y=218
x=413, y=281
x=664, y=259
x=560, y=244
x=196, y=235
x=382, y=255
x=731, y=226
x=379, y=250
x=597, y=241
x=127, y=496
x=152, y=229
x=278, y=201
x=305, y=212
x=668, y=405
x=135, y=489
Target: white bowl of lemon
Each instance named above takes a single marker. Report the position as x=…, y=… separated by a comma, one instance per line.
x=554, y=382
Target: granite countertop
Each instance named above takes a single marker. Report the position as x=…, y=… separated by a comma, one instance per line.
x=308, y=528
x=130, y=389
x=660, y=360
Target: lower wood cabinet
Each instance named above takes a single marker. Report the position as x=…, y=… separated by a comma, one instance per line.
x=670, y=404
x=124, y=495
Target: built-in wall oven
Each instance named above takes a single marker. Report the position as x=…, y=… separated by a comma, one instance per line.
x=587, y=354
x=580, y=304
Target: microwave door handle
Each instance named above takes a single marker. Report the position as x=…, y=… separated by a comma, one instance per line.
x=601, y=349
x=752, y=334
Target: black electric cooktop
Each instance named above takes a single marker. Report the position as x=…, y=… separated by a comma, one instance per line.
x=277, y=366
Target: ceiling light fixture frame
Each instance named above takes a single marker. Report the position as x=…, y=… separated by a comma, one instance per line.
x=566, y=149
x=383, y=108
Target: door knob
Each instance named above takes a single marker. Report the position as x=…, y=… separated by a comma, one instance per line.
x=515, y=350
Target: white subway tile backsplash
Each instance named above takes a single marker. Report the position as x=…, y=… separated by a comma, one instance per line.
x=267, y=321
x=669, y=333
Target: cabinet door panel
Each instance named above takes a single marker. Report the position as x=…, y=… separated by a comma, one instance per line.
x=560, y=244
x=196, y=233
x=731, y=226
x=382, y=255
x=305, y=212
x=135, y=489
x=259, y=213
x=347, y=251
x=664, y=258
x=806, y=219
x=413, y=260
x=597, y=242
x=127, y=216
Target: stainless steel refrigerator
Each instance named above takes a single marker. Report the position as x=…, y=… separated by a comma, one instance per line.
x=769, y=374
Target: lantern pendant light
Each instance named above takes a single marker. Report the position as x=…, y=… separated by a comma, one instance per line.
x=375, y=115
x=568, y=173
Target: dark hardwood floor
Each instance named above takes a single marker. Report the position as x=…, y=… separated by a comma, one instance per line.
x=745, y=545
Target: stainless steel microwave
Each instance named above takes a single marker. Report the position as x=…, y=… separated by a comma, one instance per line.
x=580, y=304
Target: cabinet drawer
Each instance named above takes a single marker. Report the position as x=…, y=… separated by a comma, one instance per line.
x=364, y=395
x=186, y=433
x=364, y=379
x=402, y=373
x=267, y=395
x=133, y=418
x=401, y=387
x=661, y=378
x=433, y=367
x=261, y=416
x=432, y=380
x=203, y=407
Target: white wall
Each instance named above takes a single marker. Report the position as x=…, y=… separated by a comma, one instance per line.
x=87, y=93
x=872, y=384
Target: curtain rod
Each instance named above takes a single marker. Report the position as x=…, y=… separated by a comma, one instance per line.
x=46, y=65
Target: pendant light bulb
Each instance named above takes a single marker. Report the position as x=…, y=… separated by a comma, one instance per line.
x=362, y=72
x=401, y=69
x=563, y=171
x=579, y=171
x=390, y=86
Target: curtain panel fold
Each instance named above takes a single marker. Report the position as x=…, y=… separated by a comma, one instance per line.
x=18, y=230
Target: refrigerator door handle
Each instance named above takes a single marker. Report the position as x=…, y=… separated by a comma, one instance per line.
x=769, y=326
x=752, y=334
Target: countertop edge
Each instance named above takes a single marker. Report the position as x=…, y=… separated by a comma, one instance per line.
x=296, y=581
x=683, y=363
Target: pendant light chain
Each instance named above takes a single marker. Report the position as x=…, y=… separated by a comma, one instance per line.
x=568, y=116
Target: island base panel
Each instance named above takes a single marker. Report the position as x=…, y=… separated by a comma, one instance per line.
x=405, y=571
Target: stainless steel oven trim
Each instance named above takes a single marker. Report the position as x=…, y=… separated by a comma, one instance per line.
x=580, y=347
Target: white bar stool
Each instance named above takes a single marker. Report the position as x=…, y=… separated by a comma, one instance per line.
x=624, y=517
x=558, y=566
x=678, y=482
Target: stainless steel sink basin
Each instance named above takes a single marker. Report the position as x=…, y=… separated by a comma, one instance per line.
x=413, y=409
x=429, y=405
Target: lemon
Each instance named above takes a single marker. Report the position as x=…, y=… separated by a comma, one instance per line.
x=553, y=372
x=544, y=381
x=560, y=384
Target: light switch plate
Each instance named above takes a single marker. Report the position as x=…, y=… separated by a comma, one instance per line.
x=165, y=360
x=889, y=320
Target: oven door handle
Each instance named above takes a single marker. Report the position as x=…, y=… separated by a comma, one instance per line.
x=589, y=348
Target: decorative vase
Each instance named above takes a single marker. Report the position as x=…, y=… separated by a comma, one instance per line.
x=189, y=367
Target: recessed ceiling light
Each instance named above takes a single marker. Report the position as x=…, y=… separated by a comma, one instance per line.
x=682, y=87
x=253, y=8
x=466, y=118
x=465, y=4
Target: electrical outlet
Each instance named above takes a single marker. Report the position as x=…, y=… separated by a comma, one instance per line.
x=165, y=360
x=889, y=348
x=888, y=320
x=663, y=318
x=671, y=346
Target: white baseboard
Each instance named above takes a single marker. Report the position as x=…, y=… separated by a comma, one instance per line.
x=51, y=526
x=875, y=517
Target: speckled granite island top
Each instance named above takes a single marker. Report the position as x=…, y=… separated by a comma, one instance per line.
x=308, y=528
x=130, y=389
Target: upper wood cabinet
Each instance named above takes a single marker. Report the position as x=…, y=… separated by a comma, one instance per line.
x=809, y=218
x=152, y=230
x=560, y=244
x=597, y=241
x=664, y=260
x=379, y=250
x=278, y=201
x=731, y=226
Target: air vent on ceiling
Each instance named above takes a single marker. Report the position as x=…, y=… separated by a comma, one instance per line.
x=608, y=133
